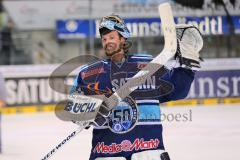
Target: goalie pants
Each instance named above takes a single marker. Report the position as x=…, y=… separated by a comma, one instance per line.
x=145, y=155
x=105, y=143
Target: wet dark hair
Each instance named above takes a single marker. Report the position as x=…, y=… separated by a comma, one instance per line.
x=105, y=31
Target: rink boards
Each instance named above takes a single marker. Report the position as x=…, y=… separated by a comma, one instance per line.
x=28, y=86
x=180, y=103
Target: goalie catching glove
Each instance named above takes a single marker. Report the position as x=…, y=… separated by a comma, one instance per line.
x=189, y=44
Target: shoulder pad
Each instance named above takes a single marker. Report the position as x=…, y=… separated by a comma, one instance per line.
x=93, y=65
x=92, y=69
x=141, y=57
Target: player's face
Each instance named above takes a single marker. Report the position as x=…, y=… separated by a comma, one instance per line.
x=112, y=43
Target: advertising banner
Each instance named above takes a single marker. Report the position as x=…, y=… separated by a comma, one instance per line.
x=33, y=90
x=216, y=84
x=29, y=90
x=145, y=27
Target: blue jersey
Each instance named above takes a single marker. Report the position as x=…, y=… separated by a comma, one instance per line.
x=137, y=127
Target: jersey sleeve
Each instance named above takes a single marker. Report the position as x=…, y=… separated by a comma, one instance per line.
x=181, y=80
x=76, y=85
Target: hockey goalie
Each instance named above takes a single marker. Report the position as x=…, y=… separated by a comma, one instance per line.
x=132, y=130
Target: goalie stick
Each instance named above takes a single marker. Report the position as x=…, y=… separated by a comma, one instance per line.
x=169, y=50
x=64, y=141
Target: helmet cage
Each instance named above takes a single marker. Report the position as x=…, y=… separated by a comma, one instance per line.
x=114, y=23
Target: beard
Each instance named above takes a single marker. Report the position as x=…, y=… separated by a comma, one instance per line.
x=112, y=48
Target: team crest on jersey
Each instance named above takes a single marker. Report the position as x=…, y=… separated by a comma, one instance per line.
x=124, y=116
x=92, y=72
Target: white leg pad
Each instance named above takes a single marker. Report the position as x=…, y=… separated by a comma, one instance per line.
x=149, y=155
x=111, y=158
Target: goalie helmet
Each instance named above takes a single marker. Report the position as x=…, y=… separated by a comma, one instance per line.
x=114, y=22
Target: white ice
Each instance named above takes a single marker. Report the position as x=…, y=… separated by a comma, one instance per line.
x=213, y=134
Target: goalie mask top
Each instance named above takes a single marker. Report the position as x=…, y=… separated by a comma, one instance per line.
x=114, y=22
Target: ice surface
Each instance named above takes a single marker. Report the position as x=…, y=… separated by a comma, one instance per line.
x=212, y=133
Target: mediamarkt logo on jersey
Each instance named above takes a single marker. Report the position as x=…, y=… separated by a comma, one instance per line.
x=126, y=145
